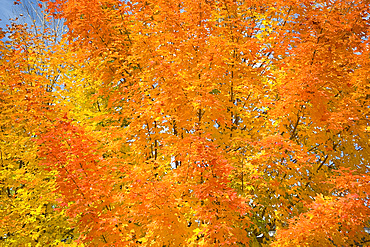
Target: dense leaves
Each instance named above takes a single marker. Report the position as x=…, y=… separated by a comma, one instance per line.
x=188, y=123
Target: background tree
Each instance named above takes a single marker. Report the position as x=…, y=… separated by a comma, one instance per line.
x=29, y=206
x=34, y=13
x=28, y=199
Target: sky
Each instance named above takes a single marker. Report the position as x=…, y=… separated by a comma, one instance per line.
x=6, y=12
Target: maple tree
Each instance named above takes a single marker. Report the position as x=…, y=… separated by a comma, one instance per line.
x=188, y=123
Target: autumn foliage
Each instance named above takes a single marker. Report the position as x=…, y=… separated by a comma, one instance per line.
x=187, y=123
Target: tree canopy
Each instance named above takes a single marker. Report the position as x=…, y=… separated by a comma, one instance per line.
x=186, y=123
